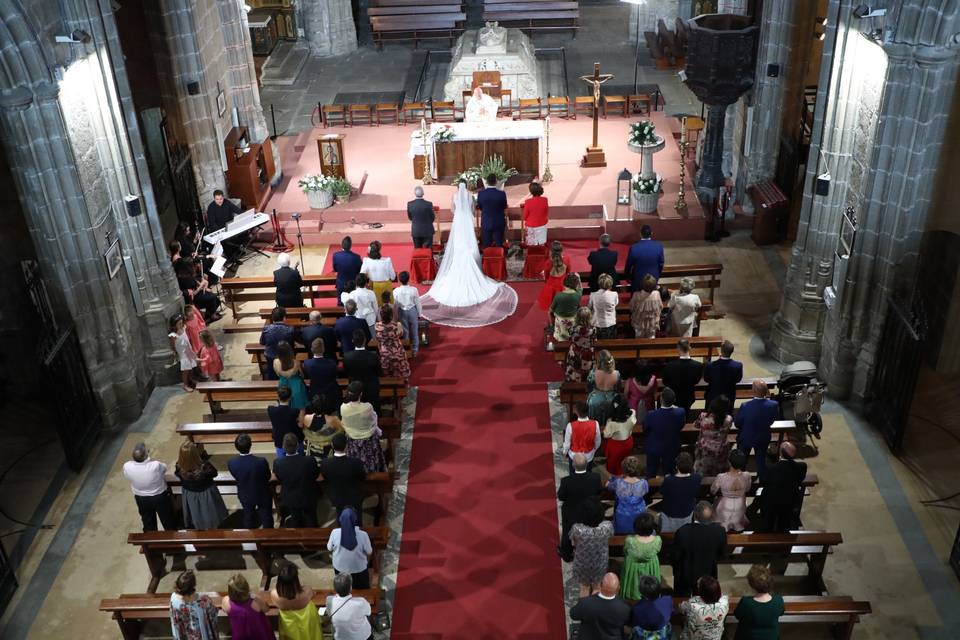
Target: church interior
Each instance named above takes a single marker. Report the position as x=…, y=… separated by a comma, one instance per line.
x=793, y=159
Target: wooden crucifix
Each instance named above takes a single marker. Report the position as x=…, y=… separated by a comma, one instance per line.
x=594, y=156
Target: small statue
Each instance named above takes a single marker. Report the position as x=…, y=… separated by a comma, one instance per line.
x=492, y=34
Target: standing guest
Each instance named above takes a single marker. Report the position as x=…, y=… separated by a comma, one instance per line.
x=193, y=324
x=603, y=303
x=393, y=356
x=299, y=619
x=347, y=326
x=203, y=506
x=288, y=371
x=350, y=549
x=581, y=435
x=629, y=491
x=782, y=490
x=650, y=617
x=605, y=382
x=704, y=614
x=193, y=616
x=492, y=203
x=362, y=365
x=147, y=478
x=618, y=433
x=343, y=476
x=732, y=486
x=603, y=615
x=321, y=424
x=753, y=421
x=602, y=261
x=683, y=374
x=351, y=621
x=697, y=547
x=556, y=270
x=379, y=270
x=220, y=212
x=641, y=390
x=641, y=552
x=758, y=616
x=536, y=212
x=407, y=299
x=579, y=361
x=186, y=356
x=297, y=475
x=283, y=420
x=321, y=371
x=679, y=491
x=252, y=474
x=661, y=429
x=211, y=362
x=591, y=548
x=367, y=301
x=646, y=256
x=666, y=316
x=247, y=614
x=421, y=216
x=723, y=374
x=565, y=308
x=713, y=425
x=288, y=282
x=346, y=264
x=348, y=288
x=575, y=491
x=645, y=308
x=360, y=425
x=273, y=334
x=316, y=329
x=684, y=308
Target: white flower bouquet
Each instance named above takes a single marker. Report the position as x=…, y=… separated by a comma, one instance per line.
x=642, y=133
x=445, y=134
x=650, y=185
x=316, y=182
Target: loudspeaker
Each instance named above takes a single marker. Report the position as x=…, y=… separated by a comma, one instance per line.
x=822, y=186
x=133, y=206
x=193, y=88
x=773, y=70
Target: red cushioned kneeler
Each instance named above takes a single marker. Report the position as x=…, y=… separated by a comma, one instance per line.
x=494, y=263
x=422, y=266
x=533, y=265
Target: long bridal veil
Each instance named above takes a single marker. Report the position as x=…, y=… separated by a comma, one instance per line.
x=461, y=295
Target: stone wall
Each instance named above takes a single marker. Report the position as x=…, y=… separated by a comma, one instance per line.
x=328, y=27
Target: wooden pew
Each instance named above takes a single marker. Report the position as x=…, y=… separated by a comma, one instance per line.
x=533, y=15
x=259, y=432
x=706, y=277
x=417, y=26
x=573, y=392
x=808, y=547
x=628, y=350
x=261, y=544
x=261, y=288
x=258, y=353
x=132, y=610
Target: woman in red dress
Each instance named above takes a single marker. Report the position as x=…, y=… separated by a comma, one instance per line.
x=557, y=267
x=535, y=216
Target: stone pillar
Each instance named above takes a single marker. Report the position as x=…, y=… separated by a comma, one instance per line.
x=328, y=27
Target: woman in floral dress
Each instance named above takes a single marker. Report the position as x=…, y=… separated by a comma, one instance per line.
x=591, y=547
x=645, y=308
x=704, y=614
x=579, y=359
x=629, y=490
x=710, y=458
x=393, y=357
x=193, y=616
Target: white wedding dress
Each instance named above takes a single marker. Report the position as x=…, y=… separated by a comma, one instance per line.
x=461, y=295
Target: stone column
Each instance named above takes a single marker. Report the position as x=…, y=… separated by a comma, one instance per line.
x=328, y=27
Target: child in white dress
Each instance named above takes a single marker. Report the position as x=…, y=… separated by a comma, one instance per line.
x=185, y=353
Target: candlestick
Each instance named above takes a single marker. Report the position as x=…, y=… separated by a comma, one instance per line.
x=427, y=175
x=681, y=202
x=547, y=176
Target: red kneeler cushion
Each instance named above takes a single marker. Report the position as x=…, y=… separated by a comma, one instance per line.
x=494, y=263
x=534, y=262
x=422, y=266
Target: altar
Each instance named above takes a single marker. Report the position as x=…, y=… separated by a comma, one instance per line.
x=517, y=142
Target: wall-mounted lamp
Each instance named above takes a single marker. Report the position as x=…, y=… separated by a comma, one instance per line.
x=79, y=36
x=864, y=11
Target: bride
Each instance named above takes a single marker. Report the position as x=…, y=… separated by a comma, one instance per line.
x=461, y=295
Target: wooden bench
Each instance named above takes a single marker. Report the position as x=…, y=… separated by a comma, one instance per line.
x=573, y=392
x=631, y=349
x=416, y=26
x=261, y=544
x=706, y=277
x=533, y=15
x=133, y=610
x=238, y=290
x=258, y=352
x=259, y=432
x=807, y=547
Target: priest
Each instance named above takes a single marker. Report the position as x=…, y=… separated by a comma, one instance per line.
x=480, y=108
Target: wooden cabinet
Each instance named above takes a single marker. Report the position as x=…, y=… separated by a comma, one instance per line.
x=250, y=168
x=283, y=14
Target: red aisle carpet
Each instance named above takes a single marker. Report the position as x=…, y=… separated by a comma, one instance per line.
x=478, y=554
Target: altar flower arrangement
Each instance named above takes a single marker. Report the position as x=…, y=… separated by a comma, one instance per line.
x=341, y=188
x=642, y=133
x=445, y=134
x=318, y=182
x=648, y=185
x=474, y=176
x=471, y=177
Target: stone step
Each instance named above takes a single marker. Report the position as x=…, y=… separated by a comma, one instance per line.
x=284, y=64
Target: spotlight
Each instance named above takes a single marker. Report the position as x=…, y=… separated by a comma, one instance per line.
x=79, y=36
x=864, y=11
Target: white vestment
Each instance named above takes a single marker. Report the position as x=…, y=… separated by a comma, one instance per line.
x=483, y=109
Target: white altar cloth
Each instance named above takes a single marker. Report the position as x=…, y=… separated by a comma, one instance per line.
x=498, y=130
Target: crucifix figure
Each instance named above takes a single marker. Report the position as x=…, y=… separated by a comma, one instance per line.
x=594, y=156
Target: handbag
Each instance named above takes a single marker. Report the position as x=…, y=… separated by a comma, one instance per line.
x=379, y=620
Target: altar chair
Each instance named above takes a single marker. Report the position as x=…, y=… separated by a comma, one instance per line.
x=423, y=268
x=387, y=112
x=508, y=107
x=529, y=108
x=413, y=111
x=558, y=106
x=444, y=111
x=616, y=103
x=639, y=103
x=360, y=113
x=535, y=262
x=583, y=103
x=495, y=263
x=333, y=114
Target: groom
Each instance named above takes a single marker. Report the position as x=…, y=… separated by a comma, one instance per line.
x=492, y=203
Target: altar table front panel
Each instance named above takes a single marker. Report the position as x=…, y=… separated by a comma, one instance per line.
x=456, y=156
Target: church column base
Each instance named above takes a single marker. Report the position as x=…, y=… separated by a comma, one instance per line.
x=796, y=331
x=594, y=157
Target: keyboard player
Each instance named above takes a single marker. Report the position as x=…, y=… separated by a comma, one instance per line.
x=220, y=212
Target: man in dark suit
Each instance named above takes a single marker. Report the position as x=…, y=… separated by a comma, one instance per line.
x=644, y=257
x=753, y=421
x=492, y=203
x=321, y=373
x=316, y=329
x=283, y=420
x=287, y=280
x=347, y=265
x=697, y=547
x=297, y=474
x=273, y=334
x=602, y=260
x=683, y=374
x=782, y=486
x=346, y=326
x=575, y=489
x=421, y=215
x=363, y=365
x=252, y=474
x=220, y=212
x=343, y=477
x=661, y=434
x=602, y=616
x=723, y=374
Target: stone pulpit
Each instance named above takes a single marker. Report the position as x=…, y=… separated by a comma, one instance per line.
x=503, y=58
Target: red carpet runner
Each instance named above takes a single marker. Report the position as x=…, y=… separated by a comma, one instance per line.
x=478, y=554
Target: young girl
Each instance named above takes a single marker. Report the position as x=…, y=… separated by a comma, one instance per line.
x=209, y=356
x=193, y=324
x=186, y=356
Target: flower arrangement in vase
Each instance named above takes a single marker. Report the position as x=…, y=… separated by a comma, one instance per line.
x=642, y=133
x=444, y=134
x=319, y=190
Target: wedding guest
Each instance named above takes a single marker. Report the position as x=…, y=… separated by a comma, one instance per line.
x=604, y=383
x=343, y=476
x=192, y=615
x=682, y=375
x=273, y=334
x=316, y=329
x=360, y=425
x=211, y=363
x=367, y=301
x=603, y=615
x=321, y=424
x=641, y=390
x=186, y=356
x=252, y=474
x=565, y=306
x=618, y=434
x=646, y=256
x=196, y=290
x=347, y=326
x=421, y=216
x=203, y=506
x=299, y=619
x=409, y=309
x=629, y=491
x=575, y=491
x=246, y=613
x=662, y=428
x=349, y=615
x=346, y=264
x=288, y=282
x=556, y=268
x=679, y=492
x=580, y=354
x=582, y=435
x=283, y=420
x=393, y=355
x=645, y=308
x=754, y=419
x=684, y=308
x=650, y=617
x=288, y=371
x=603, y=303
x=782, y=490
x=591, y=548
x=758, y=616
x=641, y=552
x=712, y=451
x=350, y=548
x=364, y=366
x=147, y=478
x=297, y=475
x=193, y=324
x=732, y=487
x=379, y=270
x=723, y=374
x=602, y=261
x=535, y=216
x=704, y=614
x=697, y=547
x=321, y=371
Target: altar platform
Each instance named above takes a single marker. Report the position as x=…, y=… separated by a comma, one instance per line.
x=583, y=202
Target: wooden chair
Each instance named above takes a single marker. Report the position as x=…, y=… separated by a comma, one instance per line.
x=387, y=111
x=466, y=98
x=443, y=111
x=558, y=106
x=414, y=111
x=508, y=94
x=583, y=103
x=617, y=103
x=529, y=108
x=694, y=127
x=361, y=113
x=638, y=103
x=333, y=114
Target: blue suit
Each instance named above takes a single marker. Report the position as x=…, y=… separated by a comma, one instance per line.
x=346, y=264
x=493, y=206
x=644, y=257
x=722, y=376
x=252, y=474
x=753, y=421
x=661, y=443
x=345, y=327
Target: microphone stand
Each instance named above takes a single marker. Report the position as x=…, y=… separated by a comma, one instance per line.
x=296, y=218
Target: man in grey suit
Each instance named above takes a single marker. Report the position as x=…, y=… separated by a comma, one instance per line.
x=420, y=213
